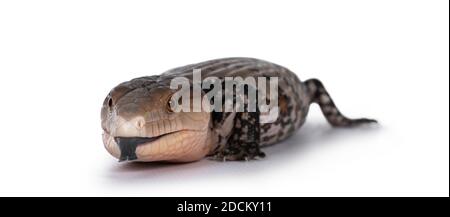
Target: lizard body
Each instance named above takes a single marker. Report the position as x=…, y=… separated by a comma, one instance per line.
x=139, y=125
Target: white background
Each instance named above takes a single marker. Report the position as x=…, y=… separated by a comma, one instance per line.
x=387, y=60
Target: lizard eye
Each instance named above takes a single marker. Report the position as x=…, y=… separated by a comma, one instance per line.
x=173, y=104
x=170, y=104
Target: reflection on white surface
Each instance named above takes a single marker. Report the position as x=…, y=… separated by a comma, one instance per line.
x=311, y=138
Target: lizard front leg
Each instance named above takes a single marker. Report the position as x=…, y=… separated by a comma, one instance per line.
x=243, y=143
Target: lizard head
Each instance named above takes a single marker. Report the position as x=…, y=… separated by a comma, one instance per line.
x=139, y=124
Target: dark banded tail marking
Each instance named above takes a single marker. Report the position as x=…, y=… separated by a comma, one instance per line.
x=319, y=95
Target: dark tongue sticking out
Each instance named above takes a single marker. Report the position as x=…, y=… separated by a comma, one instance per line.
x=128, y=145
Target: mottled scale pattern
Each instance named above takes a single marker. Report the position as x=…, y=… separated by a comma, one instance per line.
x=293, y=96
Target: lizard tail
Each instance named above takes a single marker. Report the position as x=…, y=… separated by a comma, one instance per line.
x=319, y=95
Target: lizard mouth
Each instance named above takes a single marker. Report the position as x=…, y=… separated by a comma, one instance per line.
x=128, y=145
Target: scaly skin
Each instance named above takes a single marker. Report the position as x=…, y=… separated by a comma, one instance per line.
x=137, y=120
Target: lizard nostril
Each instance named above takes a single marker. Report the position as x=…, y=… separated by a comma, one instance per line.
x=140, y=123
